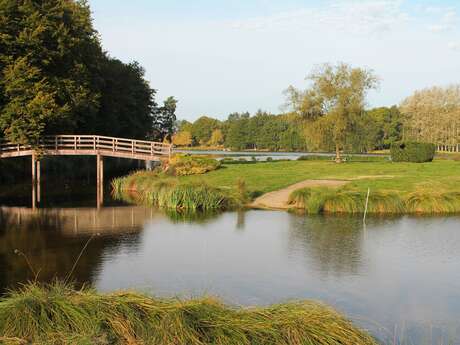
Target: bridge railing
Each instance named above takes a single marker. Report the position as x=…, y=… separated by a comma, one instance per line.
x=93, y=143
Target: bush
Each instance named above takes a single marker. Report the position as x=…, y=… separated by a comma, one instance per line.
x=412, y=152
x=181, y=165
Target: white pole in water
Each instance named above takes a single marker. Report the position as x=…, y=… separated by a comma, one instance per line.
x=367, y=203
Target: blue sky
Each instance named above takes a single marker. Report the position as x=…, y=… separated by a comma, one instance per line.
x=217, y=57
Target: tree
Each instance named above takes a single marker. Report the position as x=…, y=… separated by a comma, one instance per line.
x=52, y=48
x=238, y=134
x=183, y=138
x=31, y=103
x=55, y=78
x=433, y=115
x=202, y=129
x=335, y=100
x=217, y=138
x=127, y=102
x=388, y=124
x=165, y=120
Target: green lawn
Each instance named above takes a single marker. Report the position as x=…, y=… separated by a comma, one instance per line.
x=437, y=176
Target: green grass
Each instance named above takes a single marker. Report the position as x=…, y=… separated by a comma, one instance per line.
x=58, y=314
x=156, y=189
x=383, y=176
x=395, y=187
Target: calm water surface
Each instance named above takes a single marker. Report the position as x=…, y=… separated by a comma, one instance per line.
x=398, y=277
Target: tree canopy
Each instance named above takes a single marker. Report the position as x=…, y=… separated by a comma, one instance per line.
x=433, y=115
x=55, y=77
x=334, y=103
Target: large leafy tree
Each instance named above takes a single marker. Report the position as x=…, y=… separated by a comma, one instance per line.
x=433, y=115
x=49, y=53
x=202, y=129
x=127, y=102
x=334, y=102
x=165, y=120
x=55, y=78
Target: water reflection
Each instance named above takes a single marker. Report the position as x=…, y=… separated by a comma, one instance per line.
x=398, y=276
x=52, y=239
x=335, y=251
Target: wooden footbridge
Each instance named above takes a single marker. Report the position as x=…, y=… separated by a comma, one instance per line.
x=85, y=145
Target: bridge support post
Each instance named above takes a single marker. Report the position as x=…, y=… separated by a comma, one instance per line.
x=36, y=181
x=100, y=180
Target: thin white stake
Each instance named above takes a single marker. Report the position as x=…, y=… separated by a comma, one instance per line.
x=367, y=203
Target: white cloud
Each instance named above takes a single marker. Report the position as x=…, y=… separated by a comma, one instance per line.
x=369, y=16
x=454, y=45
x=448, y=22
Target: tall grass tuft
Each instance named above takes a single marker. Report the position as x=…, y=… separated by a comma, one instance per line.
x=433, y=203
x=326, y=200
x=57, y=314
x=153, y=189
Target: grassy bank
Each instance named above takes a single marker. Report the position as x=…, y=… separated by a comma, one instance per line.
x=324, y=200
x=150, y=188
x=57, y=314
x=395, y=187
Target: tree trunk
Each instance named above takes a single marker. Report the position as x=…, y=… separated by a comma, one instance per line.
x=338, y=158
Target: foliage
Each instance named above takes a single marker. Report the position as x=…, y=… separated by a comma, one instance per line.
x=165, y=119
x=335, y=101
x=433, y=115
x=55, y=78
x=48, y=53
x=388, y=124
x=56, y=314
x=217, y=138
x=127, y=102
x=202, y=129
x=412, y=152
x=182, y=138
x=181, y=165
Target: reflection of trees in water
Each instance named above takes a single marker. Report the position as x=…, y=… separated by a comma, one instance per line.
x=334, y=244
x=190, y=216
x=52, y=241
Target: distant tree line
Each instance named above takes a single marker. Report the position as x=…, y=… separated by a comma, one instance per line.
x=55, y=78
x=433, y=115
x=377, y=129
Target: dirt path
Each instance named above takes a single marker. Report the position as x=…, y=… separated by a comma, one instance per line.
x=279, y=199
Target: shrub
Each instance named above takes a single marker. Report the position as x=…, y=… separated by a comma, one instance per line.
x=412, y=152
x=182, y=165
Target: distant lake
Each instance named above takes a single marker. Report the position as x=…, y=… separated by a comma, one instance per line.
x=262, y=155
x=398, y=277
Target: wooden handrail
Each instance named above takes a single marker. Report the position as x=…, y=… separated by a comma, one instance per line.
x=90, y=144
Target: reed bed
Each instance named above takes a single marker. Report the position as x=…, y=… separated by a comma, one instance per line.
x=58, y=314
x=151, y=188
x=327, y=200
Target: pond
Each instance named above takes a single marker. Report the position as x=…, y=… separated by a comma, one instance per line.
x=264, y=155
x=397, y=277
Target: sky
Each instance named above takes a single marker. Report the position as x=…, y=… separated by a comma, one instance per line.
x=217, y=57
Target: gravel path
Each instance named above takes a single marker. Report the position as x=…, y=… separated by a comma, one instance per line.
x=278, y=199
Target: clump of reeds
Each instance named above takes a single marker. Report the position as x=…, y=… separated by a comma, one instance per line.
x=433, y=203
x=58, y=314
x=328, y=200
x=169, y=193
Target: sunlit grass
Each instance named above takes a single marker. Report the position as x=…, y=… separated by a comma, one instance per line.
x=327, y=200
x=57, y=314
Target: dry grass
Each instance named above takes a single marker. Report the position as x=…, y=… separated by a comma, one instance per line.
x=326, y=200
x=57, y=314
